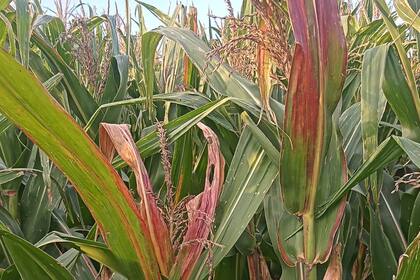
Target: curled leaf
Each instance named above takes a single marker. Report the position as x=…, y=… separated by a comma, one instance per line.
x=201, y=209
x=117, y=137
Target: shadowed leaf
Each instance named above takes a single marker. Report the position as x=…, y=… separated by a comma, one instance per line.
x=31, y=262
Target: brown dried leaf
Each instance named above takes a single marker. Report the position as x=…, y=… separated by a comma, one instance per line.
x=335, y=270
x=257, y=267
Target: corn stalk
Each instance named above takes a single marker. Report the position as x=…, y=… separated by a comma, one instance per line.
x=315, y=84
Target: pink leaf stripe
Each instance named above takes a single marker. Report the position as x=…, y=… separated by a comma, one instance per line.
x=315, y=86
x=316, y=79
x=118, y=137
x=201, y=209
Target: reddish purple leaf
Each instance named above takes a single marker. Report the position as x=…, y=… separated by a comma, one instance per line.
x=315, y=83
x=201, y=209
x=118, y=137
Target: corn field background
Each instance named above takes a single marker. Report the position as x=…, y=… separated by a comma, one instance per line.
x=280, y=141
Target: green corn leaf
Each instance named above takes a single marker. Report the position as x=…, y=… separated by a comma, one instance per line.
x=221, y=77
x=98, y=184
x=52, y=82
x=372, y=98
x=383, y=261
x=91, y=24
x=250, y=175
x=389, y=213
x=414, y=228
x=35, y=209
x=23, y=22
x=389, y=150
x=10, y=273
x=149, y=144
x=373, y=104
x=7, y=175
x=4, y=124
x=72, y=260
x=350, y=128
x=349, y=235
x=406, y=12
x=382, y=72
x=395, y=34
x=9, y=222
x=95, y=250
x=280, y=222
x=31, y=262
x=115, y=90
x=81, y=101
x=164, y=18
x=116, y=85
x=8, y=28
x=112, y=20
x=189, y=99
x=409, y=263
x=182, y=167
x=4, y=4
x=150, y=41
x=397, y=91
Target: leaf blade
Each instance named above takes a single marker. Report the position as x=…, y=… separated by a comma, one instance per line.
x=54, y=131
x=31, y=262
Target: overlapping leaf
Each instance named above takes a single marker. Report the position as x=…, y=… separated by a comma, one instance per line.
x=31, y=262
x=76, y=155
x=117, y=137
x=314, y=90
x=201, y=210
x=221, y=77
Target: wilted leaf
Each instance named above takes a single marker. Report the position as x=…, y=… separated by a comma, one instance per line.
x=334, y=270
x=117, y=137
x=201, y=209
x=250, y=176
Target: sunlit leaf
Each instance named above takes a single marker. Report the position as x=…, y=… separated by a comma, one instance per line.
x=54, y=131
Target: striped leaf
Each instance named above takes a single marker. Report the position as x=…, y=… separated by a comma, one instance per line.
x=68, y=146
x=409, y=263
x=31, y=262
x=315, y=84
x=312, y=165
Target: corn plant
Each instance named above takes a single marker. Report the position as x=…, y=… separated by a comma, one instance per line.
x=280, y=143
